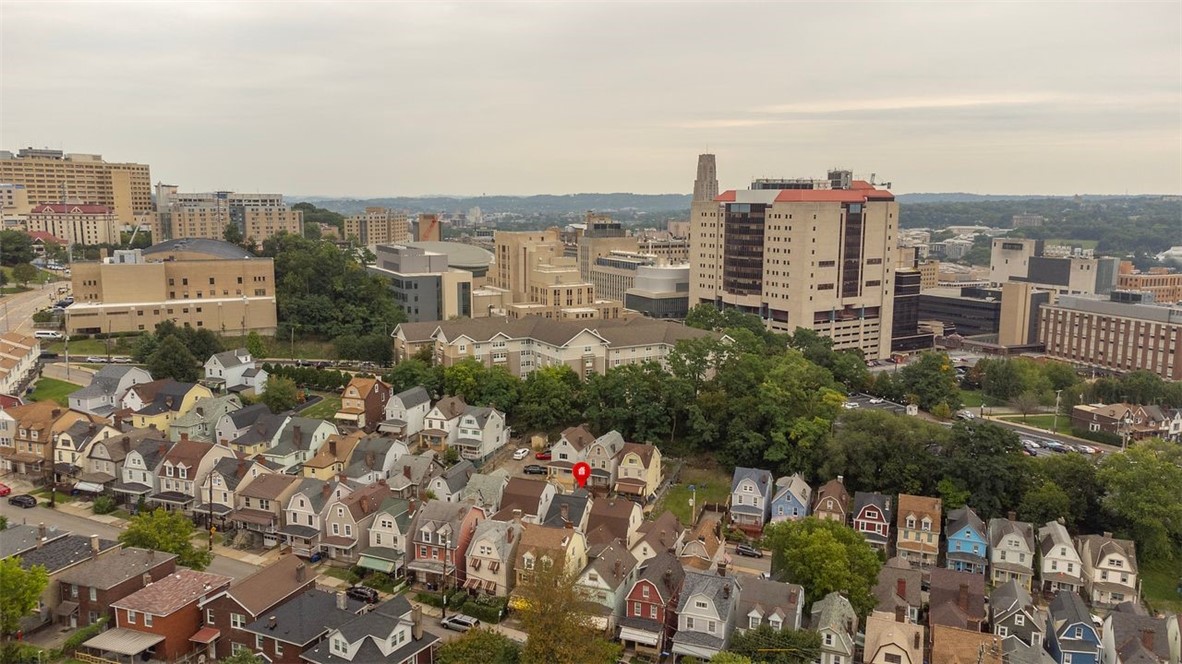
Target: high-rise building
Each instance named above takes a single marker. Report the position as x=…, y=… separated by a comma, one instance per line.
x=1018, y=323
x=539, y=279
x=205, y=215
x=377, y=225
x=429, y=228
x=1127, y=332
x=14, y=199
x=1064, y=270
x=1164, y=283
x=76, y=223
x=51, y=176
x=601, y=236
x=423, y=283
x=817, y=254
x=706, y=182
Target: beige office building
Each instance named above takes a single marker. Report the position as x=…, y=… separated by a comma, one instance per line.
x=514, y=255
x=51, y=176
x=196, y=283
x=1120, y=336
x=14, y=199
x=76, y=223
x=377, y=225
x=818, y=254
x=1018, y=323
x=539, y=280
x=1165, y=285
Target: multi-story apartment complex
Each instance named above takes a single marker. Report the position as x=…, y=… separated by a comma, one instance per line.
x=818, y=254
x=377, y=225
x=1059, y=269
x=51, y=176
x=76, y=223
x=537, y=279
x=14, y=199
x=197, y=283
x=423, y=284
x=1113, y=334
x=1164, y=283
x=206, y=215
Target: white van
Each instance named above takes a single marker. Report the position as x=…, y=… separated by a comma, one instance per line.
x=48, y=334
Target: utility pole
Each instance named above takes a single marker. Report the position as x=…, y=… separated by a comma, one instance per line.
x=446, y=554
x=209, y=479
x=1055, y=426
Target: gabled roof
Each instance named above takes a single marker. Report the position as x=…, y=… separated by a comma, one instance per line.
x=1067, y=609
x=79, y=433
x=233, y=358
x=999, y=529
x=1052, y=535
x=415, y=468
x=612, y=562
x=486, y=488
x=502, y=535
x=296, y=436
x=833, y=612
x=951, y=645
x=579, y=437
x=721, y=590
x=611, y=441
x=369, y=454
x=451, y=407
x=882, y=630
x=112, y=569
x=304, y=618
x=58, y=554
x=1009, y=597
x=919, y=507
x=897, y=574
x=662, y=532
x=208, y=409
x=437, y=513
x=964, y=516
x=364, y=385
x=272, y=584
x=161, y=395
x=366, y=500
x=18, y=538
x=270, y=486
x=863, y=499
x=399, y=508
x=576, y=503
x=247, y=416
x=524, y=494
x=337, y=448
x=642, y=450
x=614, y=515
x=105, y=382
x=1131, y=632
x=537, y=539
x=415, y=396
x=761, y=478
x=188, y=453
x=481, y=414
x=1096, y=547
x=232, y=470
x=456, y=477
x=770, y=598
x=173, y=592
x=794, y=484
x=948, y=606
x=835, y=489
x=318, y=492
x=153, y=450
x=663, y=571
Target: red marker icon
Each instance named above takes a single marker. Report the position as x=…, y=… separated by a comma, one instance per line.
x=582, y=472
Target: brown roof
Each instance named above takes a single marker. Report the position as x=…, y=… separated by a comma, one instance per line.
x=270, y=585
x=269, y=486
x=644, y=451
x=364, y=385
x=344, y=445
x=523, y=494
x=366, y=500
x=173, y=592
x=188, y=453
x=451, y=407
x=662, y=532
x=38, y=416
x=536, y=539
x=919, y=506
x=886, y=590
x=613, y=515
x=961, y=646
x=835, y=489
x=578, y=436
x=947, y=605
x=705, y=533
x=1097, y=547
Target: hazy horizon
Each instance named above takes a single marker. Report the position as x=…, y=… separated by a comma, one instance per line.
x=374, y=100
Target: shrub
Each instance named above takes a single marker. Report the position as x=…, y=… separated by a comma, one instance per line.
x=104, y=505
x=486, y=608
x=83, y=635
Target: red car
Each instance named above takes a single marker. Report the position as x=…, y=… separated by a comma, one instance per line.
x=5, y=490
x=543, y=456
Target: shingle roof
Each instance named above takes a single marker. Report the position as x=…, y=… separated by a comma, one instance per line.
x=614, y=515
x=271, y=584
x=18, y=538
x=63, y=552
x=1098, y=546
x=1067, y=609
x=868, y=498
x=269, y=486
x=886, y=590
x=108, y=571
x=579, y=437
x=833, y=611
x=945, y=605
x=233, y=358
x=576, y=504
x=248, y=415
x=451, y=407
x=487, y=488
x=1052, y=535
x=188, y=453
x=617, y=332
x=662, y=532
x=999, y=529
x=964, y=516
x=290, y=442
x=337, y=448
x=173, y=592
x=523, y=494
x=305, y=617
x=795, y=485
x=721, y=590
x=153, y=451
x=366, y=500
x=919, y=507
x=762, y=478
x=951, y=645
x=497, y=533
x=769, y=598
x=653, y=570
x=456, y=477
x=1008, y=597
x=612, y=562
x=414, y=396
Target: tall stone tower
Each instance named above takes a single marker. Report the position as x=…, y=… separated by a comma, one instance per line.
x=706, y=184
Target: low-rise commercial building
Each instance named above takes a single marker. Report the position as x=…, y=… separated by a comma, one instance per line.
x=1114, y=335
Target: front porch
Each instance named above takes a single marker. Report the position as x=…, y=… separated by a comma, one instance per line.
x=303, y=540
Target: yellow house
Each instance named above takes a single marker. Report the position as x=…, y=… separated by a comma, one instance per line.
x=159, y=402
x=545, y=545
x=639, y=471
x=332, y=456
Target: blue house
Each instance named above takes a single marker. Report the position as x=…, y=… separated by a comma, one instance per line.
x=792, y=499
x=967, y=546
x=1071, y=635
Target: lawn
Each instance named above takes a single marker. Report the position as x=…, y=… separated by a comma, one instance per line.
x=96, y=347
x=1159, y=585
x=1042, y=422
x=713, y=486
x=52, y=389
x=307, y=349
x=975, y=399
x=325, y=409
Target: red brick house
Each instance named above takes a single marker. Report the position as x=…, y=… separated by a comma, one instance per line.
x=363, y=403
x=650, y=610
x=230, y=611
x=89, y=589
x=441, y=532
x=163, y=618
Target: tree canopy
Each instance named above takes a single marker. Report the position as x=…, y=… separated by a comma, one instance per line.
x=479, y=645
x=171, y=359
x=558, y=628
x=765, y=645
x=21, y=592
x=280, y=394
x=825, y=556
x=166, y=531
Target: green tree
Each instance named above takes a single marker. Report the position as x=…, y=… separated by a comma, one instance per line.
x=23, y=273
x=414, y=372
x=255, y=345
x=21, y=592
x=172, y=359
x=874, y=450
x=232, y=234
x=932, y=379
x=825, y=556
x=1075, y=476
x=280, y=394
x=17, y=247
x=558, y=628
x=630, y=399
x=479, y=645
x=1143, y=496
x=451, y=456
x=952, y=494
x=1026, y=403
x=727, y=657
x=550, y=398
x=1044, y=503
x=166, y=531
x=771, y=646
x=988, y=462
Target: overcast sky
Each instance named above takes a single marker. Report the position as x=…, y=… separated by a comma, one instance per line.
x=369, y=98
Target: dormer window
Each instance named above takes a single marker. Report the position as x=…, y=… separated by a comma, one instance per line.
x=911, y=522
x=529, y=561
x=168, y=470
x=182, y=473
x=926, y=525
x=700, y=604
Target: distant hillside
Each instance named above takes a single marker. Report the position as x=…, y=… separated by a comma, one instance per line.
x=961, y=197
x=544, y=204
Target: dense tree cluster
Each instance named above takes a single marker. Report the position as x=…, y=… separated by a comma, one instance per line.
x=176, y=352
x=825, y=556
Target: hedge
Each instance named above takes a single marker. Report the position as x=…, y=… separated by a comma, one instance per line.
x=83, y=635
x=486, y=609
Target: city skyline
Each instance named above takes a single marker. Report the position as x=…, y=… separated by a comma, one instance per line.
x=400, y=99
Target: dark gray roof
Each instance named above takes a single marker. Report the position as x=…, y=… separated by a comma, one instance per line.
x=698, y=639
x=415, y=396
x=62, y=553
x=20, y=538
x=233, y=358
x=886, y=590
x=769, y=597
x=80, y=432
x=961, y=517
x=481, y=413
x=865, y=498
x=1001, y=528
x=112, y=569
x=713, y=586
x=613, y=562
x=1007, y=598
x=1128, y=627
x=833, y=611
x=313, y=490
x=214, y=248
x=153, y=450
x=653, y=570
x=1015, y=651
x=1067, y=608
x=576, y=503
x=456, y=477
x=305, y=617
x=249, y=415
x=379, y=622
x=287, y=439
x=369, y=651
x=497, y=533
x=762, y=478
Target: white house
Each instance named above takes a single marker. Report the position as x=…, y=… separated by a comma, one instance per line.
x=705, y=614
x=450, y=484
x=834, y=617
x=480, y=432
x=298, y=440
x=234, y=371
x=406, y=413
x=1011, y=551
x=303, y=516
x=1110, y=569
x=105, y=392
x=1061, y=568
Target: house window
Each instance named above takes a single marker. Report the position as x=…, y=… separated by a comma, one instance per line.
x=636, y=609
x=701, y=604
x=1066, y=658
x=237, y=620
x=689, y=622
x=236, y=648
x=278, y=648
x=1019, y=620
x=131, y=617
x=1079, y=632
x=644, y=591
x=1002, y=631
x=752, y=622
x=711, y=626
x=74, y=591
x=258, y=641
x=529, y=562
x=147, y=620
x=93, y=594
x=910, y=522
x=828, y=639
x=652, y=611
x=209, y=616
x=775, y=623
x=892, y=658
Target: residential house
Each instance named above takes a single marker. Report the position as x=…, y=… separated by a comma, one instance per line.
x=603, y=455
x=1012, y=614
x=526, y=499
x=167, y=610
x=706, y=614
x=201, y=422
x=19, y=365
x=892, y=639
x=650, y=607
x=480, y=433
x=440, y=534
x=71, y=447
x=1011, y=551
x=1061, y=568
x=441, y=425
x=1131, y=635
x=413, y=472
x=232, y=425
x=219, y=490
x=638, y=471
x=58, y=555
x=249, y=599
x=1110, y=569
x=234, y=371
x=7, y=425
x=450, y=484
x=406, y=413
x=159, y=402
x=332, y=457
x=260, y=436
x=36, y=426
x=183, y=470
x=390, y=632
x=18, y=539
x=702, y=549
x=1130, y=421
x=104, y=461
x=388, y=533
x=766, y=602
x=570, y=449
x=833, y=616
x=614, y=518
x=918, y=524
x=1071, y=636
x=833, y=501
x=349, y=518
x=88, y=590
x=1016, y=652
x=899, y=589
x=792, y=500
x=957, y=599
x=298, y=440
x=486, y=489
x=260, y=503
x=873, y=517
x=305, y=511
x=141, y=470
x=542, y=545
x=491, y=557
x=609, y=575
x=953, y=645
x=105, y=392
x=663, y=534
x=967, y=544
x=750, y=500
x=569, y=510
x=363, y=403
x=374, y=458
x=285, y=632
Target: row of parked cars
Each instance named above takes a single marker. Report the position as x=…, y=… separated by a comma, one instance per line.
x=1042, y=446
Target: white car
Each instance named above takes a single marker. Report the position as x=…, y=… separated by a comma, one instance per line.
x=1086, y=449
x=876, y=400
x=520, y=454
x=849, y=405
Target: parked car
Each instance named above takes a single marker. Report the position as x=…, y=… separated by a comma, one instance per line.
x=5, y=490
x=965, y=414
x=849, y=405
x=459, y=622
x=1086, y=449
x=363, y=594
x=23, y=500
x=535, y=469
x=96, y=359
x=748, y=550
x=544, y=455
x=876, y=400
x=520, y=454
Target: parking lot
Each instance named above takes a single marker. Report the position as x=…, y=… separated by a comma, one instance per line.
x=865, y=401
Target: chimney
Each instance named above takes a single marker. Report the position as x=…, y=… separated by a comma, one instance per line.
x=962, y=599
x=41, y=534
x=1012, y=515
x=667, y=578
x=151, y=554
x=509, y=534
x=94, y=546
x=901, y=587
x=564, y=510
x=332, y=447
x=900, y=614
x=406, y=471
x=326, y=489
x=416, y=623
x=721, y=568
x=184, y=437
x=726, y=591
x=301, y=574
x=841, y=479
x=126, y=440
x=616, y=568
x=93, y=426
x=272, y=623
x=370, y=459
x=297, y=436
x=342, y=601
x=1147, y=639
x=146, y=579
x=1107, y=534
